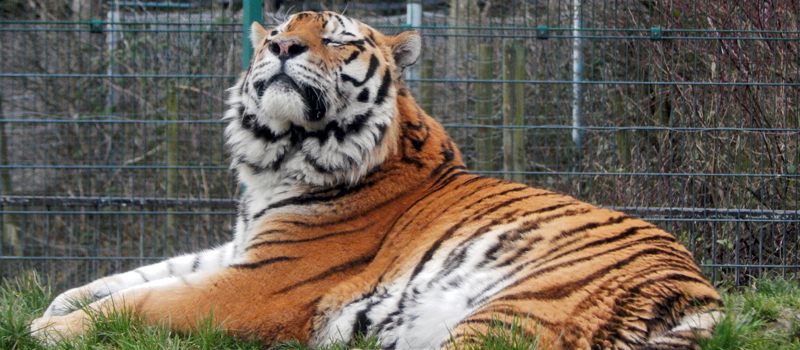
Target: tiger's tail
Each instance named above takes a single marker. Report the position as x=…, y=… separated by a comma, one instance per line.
x=684, y=335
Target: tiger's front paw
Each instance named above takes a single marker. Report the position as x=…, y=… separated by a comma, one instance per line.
x=51, y=330
x=69, y=301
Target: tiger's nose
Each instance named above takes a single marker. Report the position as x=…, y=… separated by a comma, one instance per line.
x=287, y=48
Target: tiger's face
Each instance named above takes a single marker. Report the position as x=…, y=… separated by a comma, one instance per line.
x=318, y=101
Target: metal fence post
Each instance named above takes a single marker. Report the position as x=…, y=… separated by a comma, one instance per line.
x=413, y=20
x=577, y=76
x=426, y=89
x=253, y=11
x=9, y=236
x=484, y=110
x=113, y=37
x=172, y=154
x=513, y=110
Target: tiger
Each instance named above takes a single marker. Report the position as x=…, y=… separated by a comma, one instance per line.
x=359, y=219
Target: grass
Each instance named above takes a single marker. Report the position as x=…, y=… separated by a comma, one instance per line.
x=764, y=316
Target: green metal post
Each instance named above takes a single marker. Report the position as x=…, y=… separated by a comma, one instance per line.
x=172, y=156
x=253, y=11
x=514, y=156
x=484, y=110
x=9, y=237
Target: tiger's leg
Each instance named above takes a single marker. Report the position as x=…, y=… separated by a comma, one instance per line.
x=51, y=328
x=490, y=325
x=239, y=300
x=658, y=318
x=207, y=260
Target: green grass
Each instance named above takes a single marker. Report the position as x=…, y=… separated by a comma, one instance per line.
x=764, y=316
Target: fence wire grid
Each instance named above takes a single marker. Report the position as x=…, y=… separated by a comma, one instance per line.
x=686, y=115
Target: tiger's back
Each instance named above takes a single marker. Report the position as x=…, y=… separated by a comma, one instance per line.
x=360, y=219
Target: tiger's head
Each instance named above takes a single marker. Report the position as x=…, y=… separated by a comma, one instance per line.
x=318, y=102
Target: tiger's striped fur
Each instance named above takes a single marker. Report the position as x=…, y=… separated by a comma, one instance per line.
x=360, y=219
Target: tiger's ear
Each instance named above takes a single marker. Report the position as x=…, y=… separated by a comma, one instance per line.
x=257, y=34
x=406, y=48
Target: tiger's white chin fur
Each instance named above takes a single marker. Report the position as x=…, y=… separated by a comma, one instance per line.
x=283, y=107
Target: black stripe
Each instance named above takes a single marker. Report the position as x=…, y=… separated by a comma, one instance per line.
x=362, y=260
x=314, y=161
x=520, y=253
x=316, y=238
x=143, y=276
x=276, y=164
x=508, y=217
x=381, y=128
x=545, y=259
x=370, y=40
x=411, y=218
x=361, y=325
x=327, y=195
x=565, y=290
x=373, y=65
x=449, y=233
x=418, y=143
x=333, y=129
x=495, y=322
x=260, y=86
x=352, y=57
x=266, y=232
x=340, y=21
x=526, y=227
x=450, y=175
x=316, y=103
x=637, y=289
x=257, y=264
x=487, y=182
x=363, y=96
x=496, y=194
x=319, y=77
x=441, y=183
x=408, y=160
x=530, y=225
x=606, y=241
x=402, y=91
x=508, y=239
x=590, y=226
x=448, y=154
x=196, y=263
x=249, y=121
x=383, y=90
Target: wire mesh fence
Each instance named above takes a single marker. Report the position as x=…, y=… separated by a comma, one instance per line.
x=685, y=114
